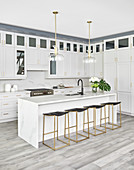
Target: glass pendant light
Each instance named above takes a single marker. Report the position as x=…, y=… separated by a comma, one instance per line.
x=56, y=56
x=88, y=58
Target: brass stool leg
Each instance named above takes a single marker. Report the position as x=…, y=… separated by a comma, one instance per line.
x=83, y=121
x=120, y=116
x=95, y=120
x=68, y=130
x=100, y=116
x=65, y=127
x=76, y=127
x=88, y=121
x=108, y=114
x=43, y=127
x=112, y=116
x=57, y=127
x=54, y=132
x=105, y=117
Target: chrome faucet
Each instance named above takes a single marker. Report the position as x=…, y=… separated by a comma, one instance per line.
x=82, y=92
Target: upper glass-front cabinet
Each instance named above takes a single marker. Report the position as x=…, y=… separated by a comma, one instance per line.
x=123, y=43
x=68, y=46
x=61, y=45
x=8, y=39
x=20, y=40
x=97, y=48
x=20, y=63
x=75, y=47
x=43, y=43
x=32, y=42
x=52, y=44
x=81, y=48
x=110, y=45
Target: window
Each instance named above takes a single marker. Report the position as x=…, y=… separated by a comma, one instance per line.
x=32, y=42
x=20, y=40
x=110, y=45
x=75, y=47
x=81, y=48
x=68, y=47
x=97, y=48
x=43, y=43
x=123, y=43
x=86, y=49
x=91, y=48
x=52, y=44
x=61, y=46
x=8, y=39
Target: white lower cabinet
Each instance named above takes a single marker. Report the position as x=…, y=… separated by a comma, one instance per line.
x=9, y=104
x=125, y=99
x=110, y=75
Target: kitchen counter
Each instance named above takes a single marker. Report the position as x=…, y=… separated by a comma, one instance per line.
x=30, y=113
x=42, y=100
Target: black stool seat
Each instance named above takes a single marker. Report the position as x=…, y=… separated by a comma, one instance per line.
x=111, y=103
x=76, y=110
x=94, y=106
x=57, y=113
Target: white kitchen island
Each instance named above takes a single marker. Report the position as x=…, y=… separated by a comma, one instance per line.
x=30, y=113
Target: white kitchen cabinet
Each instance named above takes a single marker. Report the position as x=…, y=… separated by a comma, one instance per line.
x=7, y=56
x=125, y=99
x=124, y=76
x=9, y=104
x=20, y=63
x=110, y=75
x=99, y=60
x=20, y=41
x=67, y=64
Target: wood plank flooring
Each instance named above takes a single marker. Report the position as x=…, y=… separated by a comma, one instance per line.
x=111, y=151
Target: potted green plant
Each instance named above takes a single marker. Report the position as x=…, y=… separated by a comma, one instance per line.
x=94, y=83
x=104, y=86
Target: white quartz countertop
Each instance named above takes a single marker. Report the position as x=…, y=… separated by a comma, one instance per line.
x=42, y=100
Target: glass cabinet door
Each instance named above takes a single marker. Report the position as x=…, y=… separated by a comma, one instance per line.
x=68, y=47
x=32, y=42
x=123, y=43
x=81, y=48
x=110, y=45
x=20, y=40
x=20, y=62
x=52, y=65
x=61, y=45
x=43, y=43
x=9, y=39
x=75, y=47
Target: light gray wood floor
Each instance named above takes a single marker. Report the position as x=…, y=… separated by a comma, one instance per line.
x=110, y=151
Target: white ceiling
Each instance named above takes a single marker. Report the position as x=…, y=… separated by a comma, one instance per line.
x=108, y=17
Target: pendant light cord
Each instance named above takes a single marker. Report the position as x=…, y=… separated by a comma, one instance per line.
x=89, y=53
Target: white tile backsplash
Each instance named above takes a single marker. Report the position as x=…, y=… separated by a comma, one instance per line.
x=38, y=79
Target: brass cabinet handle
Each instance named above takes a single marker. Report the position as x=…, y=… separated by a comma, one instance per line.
x=18, y=95
x=5, y=96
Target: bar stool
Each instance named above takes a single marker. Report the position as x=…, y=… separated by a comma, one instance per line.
x=55, y=114
x=94, y=107
x=76, y=110
x=112, y=124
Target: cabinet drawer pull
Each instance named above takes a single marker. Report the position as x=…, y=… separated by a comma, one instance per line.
x=5, y=104
x=5, y=96
x=62, y=92
x=16, y=102
x=56, y=91
x=18, y=95
x=5, y=113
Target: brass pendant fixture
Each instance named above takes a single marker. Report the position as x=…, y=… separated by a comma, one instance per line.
x=89, y=59
x=56, y=56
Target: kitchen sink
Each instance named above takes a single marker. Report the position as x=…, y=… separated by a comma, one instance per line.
x=72, y=94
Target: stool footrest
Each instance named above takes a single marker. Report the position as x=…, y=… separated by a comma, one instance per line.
x=104, y=118
x=50, y=132
x=71, y=127
x=89, y=122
